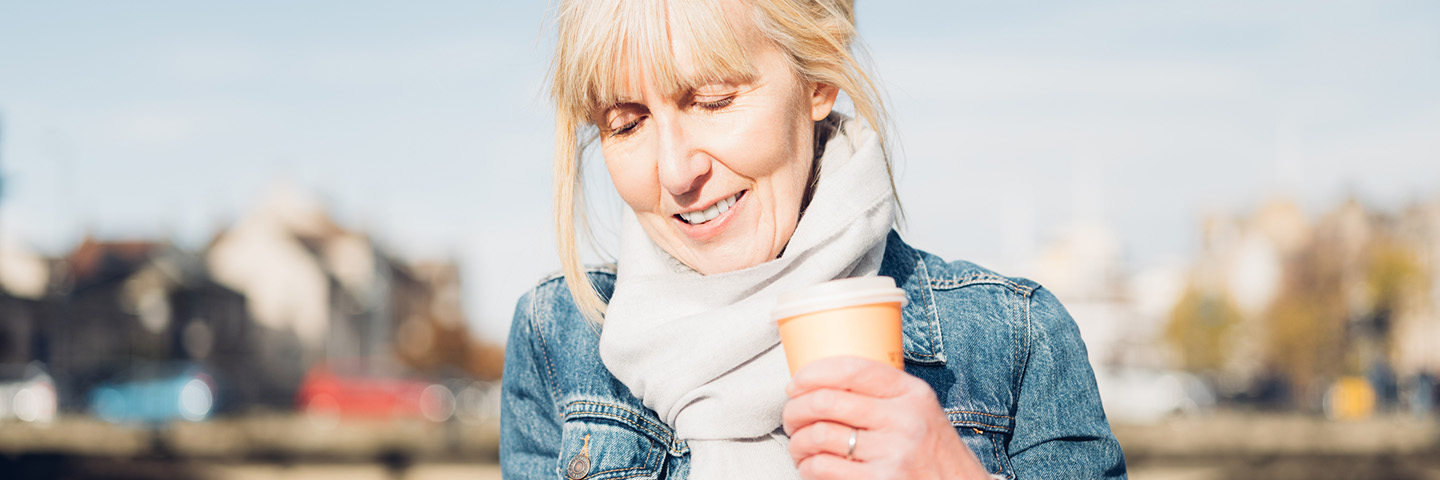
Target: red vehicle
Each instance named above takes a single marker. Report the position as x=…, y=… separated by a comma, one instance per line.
x=326, y=392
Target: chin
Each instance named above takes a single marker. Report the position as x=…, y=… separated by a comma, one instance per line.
x=722, y=260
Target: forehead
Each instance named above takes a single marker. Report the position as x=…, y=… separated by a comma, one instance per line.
x=621, y=49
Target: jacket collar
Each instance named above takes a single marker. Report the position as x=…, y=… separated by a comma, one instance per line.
x=923, y=341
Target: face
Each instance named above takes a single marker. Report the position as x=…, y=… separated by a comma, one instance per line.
x=716, y=174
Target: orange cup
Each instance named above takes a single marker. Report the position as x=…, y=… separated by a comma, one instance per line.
x=853, y=316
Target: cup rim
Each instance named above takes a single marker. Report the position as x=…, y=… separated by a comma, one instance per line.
x=841, y=293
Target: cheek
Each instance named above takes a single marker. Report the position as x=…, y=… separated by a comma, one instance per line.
x=765, y=148
x=636, y=183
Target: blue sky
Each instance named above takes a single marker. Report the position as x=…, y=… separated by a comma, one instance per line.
x=426, y=122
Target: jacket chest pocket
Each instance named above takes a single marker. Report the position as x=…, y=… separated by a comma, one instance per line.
x=989, y=442
x=596, y=447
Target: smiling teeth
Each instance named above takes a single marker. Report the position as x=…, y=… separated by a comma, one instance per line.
x=709, y=213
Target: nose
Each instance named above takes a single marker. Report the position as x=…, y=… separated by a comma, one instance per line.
x=683, y=167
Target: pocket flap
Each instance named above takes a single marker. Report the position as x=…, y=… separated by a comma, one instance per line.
x=596, y=447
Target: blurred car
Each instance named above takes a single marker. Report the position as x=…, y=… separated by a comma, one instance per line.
x=328, y=392
x=155, y=392
x=27, y=393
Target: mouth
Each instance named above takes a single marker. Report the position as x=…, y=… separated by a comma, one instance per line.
x=707, y=214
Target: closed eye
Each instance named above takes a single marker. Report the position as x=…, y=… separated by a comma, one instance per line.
x=622, y=119
x=716, y=105
x=626, y=129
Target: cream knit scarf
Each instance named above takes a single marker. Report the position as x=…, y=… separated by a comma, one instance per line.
x=701, y=350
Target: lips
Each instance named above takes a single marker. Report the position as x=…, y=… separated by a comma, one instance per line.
x=700, y=217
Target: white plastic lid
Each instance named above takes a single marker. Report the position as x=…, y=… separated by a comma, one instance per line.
x=846, y=292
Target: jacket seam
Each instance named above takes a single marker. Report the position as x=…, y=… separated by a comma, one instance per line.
x=995, y=447
x=641, y=474
x=670, y=443
x=972, y=423
x=544, y=351
x=982, y=279
x=1017, y=335
x=1023, y=354
x=612, y=416
x=936, y=343
x=656, y=431
x=613, y=470
x=991, y=415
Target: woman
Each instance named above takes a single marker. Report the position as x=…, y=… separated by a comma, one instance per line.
x=714, y=120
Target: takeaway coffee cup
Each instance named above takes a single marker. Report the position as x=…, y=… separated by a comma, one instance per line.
x=853, y=316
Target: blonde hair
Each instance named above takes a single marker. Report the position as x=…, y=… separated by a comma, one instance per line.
x=602, y=40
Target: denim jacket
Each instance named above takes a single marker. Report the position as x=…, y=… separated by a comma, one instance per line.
x=1002, y=355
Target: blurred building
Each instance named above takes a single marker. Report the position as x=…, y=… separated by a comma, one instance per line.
x=281, y=290
x=1220, y=328
x=1417, y=321
x=1276, y=310
x=24, y=280
x=1279, y=309
x=95, y=322
x=343, y=297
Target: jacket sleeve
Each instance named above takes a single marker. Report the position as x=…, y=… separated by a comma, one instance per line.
x=1060, y=427
x=529, y=417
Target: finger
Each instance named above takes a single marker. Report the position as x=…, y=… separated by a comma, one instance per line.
x=838, y=406
x=860, y=375
x=824, y=438
x=829, y=467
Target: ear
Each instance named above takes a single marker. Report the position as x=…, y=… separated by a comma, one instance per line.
x=822, y=99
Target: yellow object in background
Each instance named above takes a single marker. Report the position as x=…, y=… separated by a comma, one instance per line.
x=1350, y=398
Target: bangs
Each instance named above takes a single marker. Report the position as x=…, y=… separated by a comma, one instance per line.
x=608, y=47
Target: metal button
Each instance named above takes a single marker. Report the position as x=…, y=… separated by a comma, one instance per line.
x=579, y=465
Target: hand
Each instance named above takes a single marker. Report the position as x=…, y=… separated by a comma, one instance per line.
x=901, y=430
